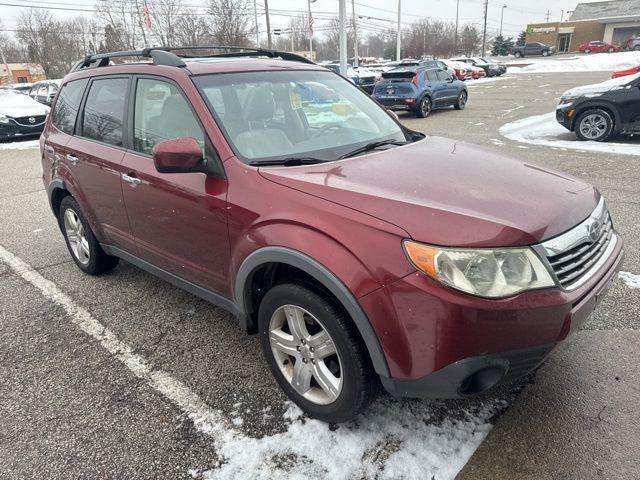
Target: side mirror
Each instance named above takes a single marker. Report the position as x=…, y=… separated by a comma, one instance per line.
x=178, y=155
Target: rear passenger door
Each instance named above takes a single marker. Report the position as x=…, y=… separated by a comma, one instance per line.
x=94, y=157
x=449, y=87
x=179, y=220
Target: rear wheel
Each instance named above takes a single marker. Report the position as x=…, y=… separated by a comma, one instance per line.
x=637, y=48
x=594, y=125
x=315, y=353
x=424, y=108
x=462, y=101
x=611, y=50
x=517, y=54
x=82, y=244
x=587, y=50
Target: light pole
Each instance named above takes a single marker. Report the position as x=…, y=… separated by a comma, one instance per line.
x=255, y=14
x=457, y=24
x=399, y=35
x=355, y=33
x=502, y=18
x=342, y=47
x=266, y=11
x=309, y=2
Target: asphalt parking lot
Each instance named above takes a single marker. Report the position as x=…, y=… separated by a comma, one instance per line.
x=125, y=376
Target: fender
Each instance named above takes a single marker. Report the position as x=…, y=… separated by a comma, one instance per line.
x=322, y=275
x=56, y=184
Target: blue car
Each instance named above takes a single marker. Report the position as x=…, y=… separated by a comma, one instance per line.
x=420, y=90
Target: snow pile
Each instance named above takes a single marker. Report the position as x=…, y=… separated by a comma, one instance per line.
x=630, y=280
x=545, y=130
x=587, y=63
x=606, y=86
x=20, y=145
x=392, y=440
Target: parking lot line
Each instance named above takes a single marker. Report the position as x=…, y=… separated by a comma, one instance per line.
x=205, y=419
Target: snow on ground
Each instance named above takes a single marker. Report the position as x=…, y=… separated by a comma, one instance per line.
x=582, y=63
x=480, y=81
x=630, y=280
x=392, y=440
x=545, y=130
x=19, y=145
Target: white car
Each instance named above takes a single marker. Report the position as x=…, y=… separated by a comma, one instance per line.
x=20, y=115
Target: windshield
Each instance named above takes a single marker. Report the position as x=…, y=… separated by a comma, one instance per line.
x=280, y=115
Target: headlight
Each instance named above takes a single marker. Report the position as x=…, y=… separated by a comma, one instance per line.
x=4, y=119
x=492, y=273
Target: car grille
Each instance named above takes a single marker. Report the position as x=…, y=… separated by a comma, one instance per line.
x=575, y=255
x=25, y=122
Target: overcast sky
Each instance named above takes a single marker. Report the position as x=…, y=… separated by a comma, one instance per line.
x=379, y=13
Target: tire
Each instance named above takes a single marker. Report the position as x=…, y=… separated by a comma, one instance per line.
x=611, y=50
x=352, y=380
x=636, y=48
x=424, y=108
x=595, y=125
x=545, y=53
x=517, y=55
x=462, y=101
x=86, y=252
x=587, y=51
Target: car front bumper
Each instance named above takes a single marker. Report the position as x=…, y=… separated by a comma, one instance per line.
x=12, y=129
x=565, y=116
x=441, y=343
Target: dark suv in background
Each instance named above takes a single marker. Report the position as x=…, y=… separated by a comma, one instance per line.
x=535, y=48
x=360, y=251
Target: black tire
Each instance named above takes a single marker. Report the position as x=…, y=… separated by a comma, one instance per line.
x=587, y=51
x=517, y=54
x=424, y=107
x=98, y=261
x=462, y=101
x=589, y=116
x=359, y=384
x=611, y=50
x=545, y=53
x=637, y=48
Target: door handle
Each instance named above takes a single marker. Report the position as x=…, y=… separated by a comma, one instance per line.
x=130, y=179
x=73, y=160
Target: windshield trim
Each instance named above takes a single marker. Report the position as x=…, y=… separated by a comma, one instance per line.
x=411, y=136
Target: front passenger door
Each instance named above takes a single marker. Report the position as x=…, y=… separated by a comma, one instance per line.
x=179, y=220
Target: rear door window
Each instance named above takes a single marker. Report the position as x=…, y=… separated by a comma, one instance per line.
x=162, y=113
x=104, y=110
x=431, y=75
x=66, y=108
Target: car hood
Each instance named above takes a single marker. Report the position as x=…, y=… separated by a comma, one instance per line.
x=19, y=105
x=450, y=193
x=600, y=88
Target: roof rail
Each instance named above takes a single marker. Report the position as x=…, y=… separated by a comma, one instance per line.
x=165, y=55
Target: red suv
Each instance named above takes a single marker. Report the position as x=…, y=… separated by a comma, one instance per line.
x=360, y=251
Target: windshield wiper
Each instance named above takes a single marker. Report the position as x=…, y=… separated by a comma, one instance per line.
x=287, y=162
x=372, y=146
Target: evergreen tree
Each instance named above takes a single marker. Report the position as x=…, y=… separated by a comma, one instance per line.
x=501, y=46
x=522, y=39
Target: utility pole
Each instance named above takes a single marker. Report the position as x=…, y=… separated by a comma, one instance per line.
x=548, y=15
x=502, y=18
x=342, y=44
x=266, y=11
x=355, y=33
x=484, y=32
x=309, y=2
x=399, y=35
x=457, y=24
x=255, y=14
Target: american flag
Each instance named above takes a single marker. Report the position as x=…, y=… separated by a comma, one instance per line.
x=311, y=25
x=147, y=15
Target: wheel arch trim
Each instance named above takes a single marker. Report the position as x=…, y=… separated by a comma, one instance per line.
x=54, y=185
x=323, y=275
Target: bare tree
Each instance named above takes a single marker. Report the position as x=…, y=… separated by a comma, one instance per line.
x=231, y=21
x=470, y=40
x=122, y=20
x=165, y=17
x=191, y=30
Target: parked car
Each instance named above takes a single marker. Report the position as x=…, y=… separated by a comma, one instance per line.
x=535, y=48
x=624, y=73
x=596, y=112
x=20, y=116
x=366, y=81
x=44, y=91
x=460, y=70
x=632, y=44
x=359, y=251
x=502, y=68
x=476, y=72
x=490, y=69
x=598, y=47
x=17, y=87
x=420, y=90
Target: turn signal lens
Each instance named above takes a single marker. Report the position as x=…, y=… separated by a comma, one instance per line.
x=490, y=273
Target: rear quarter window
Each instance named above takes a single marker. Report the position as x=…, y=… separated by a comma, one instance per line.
x=65, y=110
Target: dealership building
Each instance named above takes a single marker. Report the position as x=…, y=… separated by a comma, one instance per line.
x=613, y=21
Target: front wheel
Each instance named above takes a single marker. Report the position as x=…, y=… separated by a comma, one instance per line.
x=545, y=53
x=517, y=54
x=424, y=108
x=587, y=51
x=595, y=125
x=611, y=50
x=315, y=353
x=462, y=101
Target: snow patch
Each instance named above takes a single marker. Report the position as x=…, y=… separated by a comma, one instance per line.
x=602, y=87
x=392, y=440
x=18, y=145
x=545, y=130
x=630, y=279
x=587, y=63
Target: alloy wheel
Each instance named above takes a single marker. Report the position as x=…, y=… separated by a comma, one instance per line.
x=425, y=107
x=593, y=126
x=74, y=230
x=305, y=354
x=462, y=100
